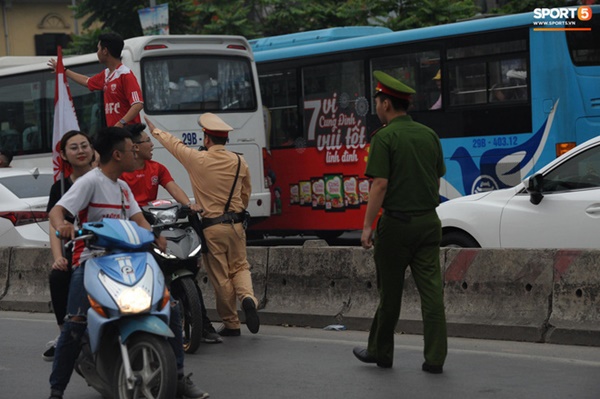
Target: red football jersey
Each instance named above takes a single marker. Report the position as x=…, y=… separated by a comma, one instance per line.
x=121, y=91
x=144, y=182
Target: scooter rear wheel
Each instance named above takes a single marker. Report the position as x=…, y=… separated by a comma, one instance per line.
x=154, y=366
x=185, y=291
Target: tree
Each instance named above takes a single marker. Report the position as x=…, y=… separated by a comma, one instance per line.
x=519, y=6
x=121, y=16
x=418, y=14
x=260, y=18
x=227, y=17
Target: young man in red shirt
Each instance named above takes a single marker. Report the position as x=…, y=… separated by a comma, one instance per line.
x=122, y=94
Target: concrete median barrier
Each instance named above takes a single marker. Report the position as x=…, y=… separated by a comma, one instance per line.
x=27, y=286
x=525, y=295
x=576, y=299
x=498, y=293
x=4, y=270
x=310, y=285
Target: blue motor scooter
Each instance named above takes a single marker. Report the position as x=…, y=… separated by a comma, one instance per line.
x=126, y=353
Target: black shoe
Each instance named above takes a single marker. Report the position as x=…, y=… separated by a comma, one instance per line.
x=188, y=390
x=252, y=321
x=48, y=355
x=229, y=332
x=363, y=355
x=55, y=394
x=211, y=337
x=430, y=368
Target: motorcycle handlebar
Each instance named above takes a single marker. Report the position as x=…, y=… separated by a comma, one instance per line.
x=81, y=236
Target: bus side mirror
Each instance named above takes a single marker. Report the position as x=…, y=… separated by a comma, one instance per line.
x=534, y=188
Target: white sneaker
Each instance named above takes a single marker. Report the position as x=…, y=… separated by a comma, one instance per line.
x=48, y=355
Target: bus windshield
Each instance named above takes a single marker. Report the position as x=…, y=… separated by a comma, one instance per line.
x=187, y=83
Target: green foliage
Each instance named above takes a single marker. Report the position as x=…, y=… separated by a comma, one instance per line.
x=84, y=44
x=260, y=18
x=223, y=18
x=121, y=16
x=519, y=6
x=417, y=14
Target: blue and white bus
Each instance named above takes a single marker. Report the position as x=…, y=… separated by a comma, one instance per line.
x=505, y=94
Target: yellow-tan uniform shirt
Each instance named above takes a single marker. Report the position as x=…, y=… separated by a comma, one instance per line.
x=212, y=174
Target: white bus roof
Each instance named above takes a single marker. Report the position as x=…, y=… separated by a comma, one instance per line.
x=10, y=61
x=136, y=47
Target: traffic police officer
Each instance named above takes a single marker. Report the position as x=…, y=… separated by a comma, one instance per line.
x=406, y=163
x=221, y=185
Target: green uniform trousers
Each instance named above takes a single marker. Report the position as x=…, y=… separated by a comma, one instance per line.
x=399, y=244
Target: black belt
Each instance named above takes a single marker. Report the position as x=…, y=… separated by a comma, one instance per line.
x=405, y=216
x=226, y=218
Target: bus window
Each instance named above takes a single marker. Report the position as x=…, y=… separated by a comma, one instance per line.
x=508, y=80
x=89, y=105
x=20, y=103
x=418, y=70
x=467, y=84
x=334, y=104
x=197, y=83
x=487, y=73
x=584, y=46
x=280, y=96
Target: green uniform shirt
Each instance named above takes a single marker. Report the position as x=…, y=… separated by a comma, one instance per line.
x=409, y=155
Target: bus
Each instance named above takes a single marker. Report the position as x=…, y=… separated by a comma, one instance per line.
x=181, y=77
x=504, y=96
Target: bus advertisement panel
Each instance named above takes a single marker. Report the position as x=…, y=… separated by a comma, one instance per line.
x=504, y=96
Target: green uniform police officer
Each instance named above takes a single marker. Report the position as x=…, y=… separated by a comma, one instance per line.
x=406, y=163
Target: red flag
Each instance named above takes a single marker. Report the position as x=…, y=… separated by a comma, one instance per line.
x=65, y=118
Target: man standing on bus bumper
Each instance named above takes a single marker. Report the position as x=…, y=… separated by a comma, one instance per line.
x=223, y=197
x=406, y=163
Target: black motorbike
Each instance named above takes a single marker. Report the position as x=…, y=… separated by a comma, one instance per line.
x=180, y=262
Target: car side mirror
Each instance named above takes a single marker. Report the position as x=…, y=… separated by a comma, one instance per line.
x=534, y=188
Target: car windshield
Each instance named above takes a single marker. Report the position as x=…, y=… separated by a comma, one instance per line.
x=28, y=186
x=580, y=172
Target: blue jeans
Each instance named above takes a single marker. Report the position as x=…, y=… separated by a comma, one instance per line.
x=177, y=341
x=69, y=342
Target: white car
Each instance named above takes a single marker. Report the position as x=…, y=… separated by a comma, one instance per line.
x=558, y=207
x=23, y=200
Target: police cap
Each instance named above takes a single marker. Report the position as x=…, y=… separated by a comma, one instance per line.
x=392, y=87
x=213, y=125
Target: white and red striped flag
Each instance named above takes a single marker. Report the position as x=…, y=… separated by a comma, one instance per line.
x=65, y=118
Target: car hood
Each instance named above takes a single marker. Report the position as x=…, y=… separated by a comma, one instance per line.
x=468, y=213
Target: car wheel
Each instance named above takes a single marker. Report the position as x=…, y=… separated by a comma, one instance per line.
x=458, y=239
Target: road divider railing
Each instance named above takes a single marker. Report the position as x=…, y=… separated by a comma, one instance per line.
x=512, y=294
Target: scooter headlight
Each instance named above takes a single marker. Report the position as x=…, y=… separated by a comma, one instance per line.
x=134, y=300
x=131, y=299
x=165, y=215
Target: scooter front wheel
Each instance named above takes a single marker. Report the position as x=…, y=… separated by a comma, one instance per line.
x=154, y=368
